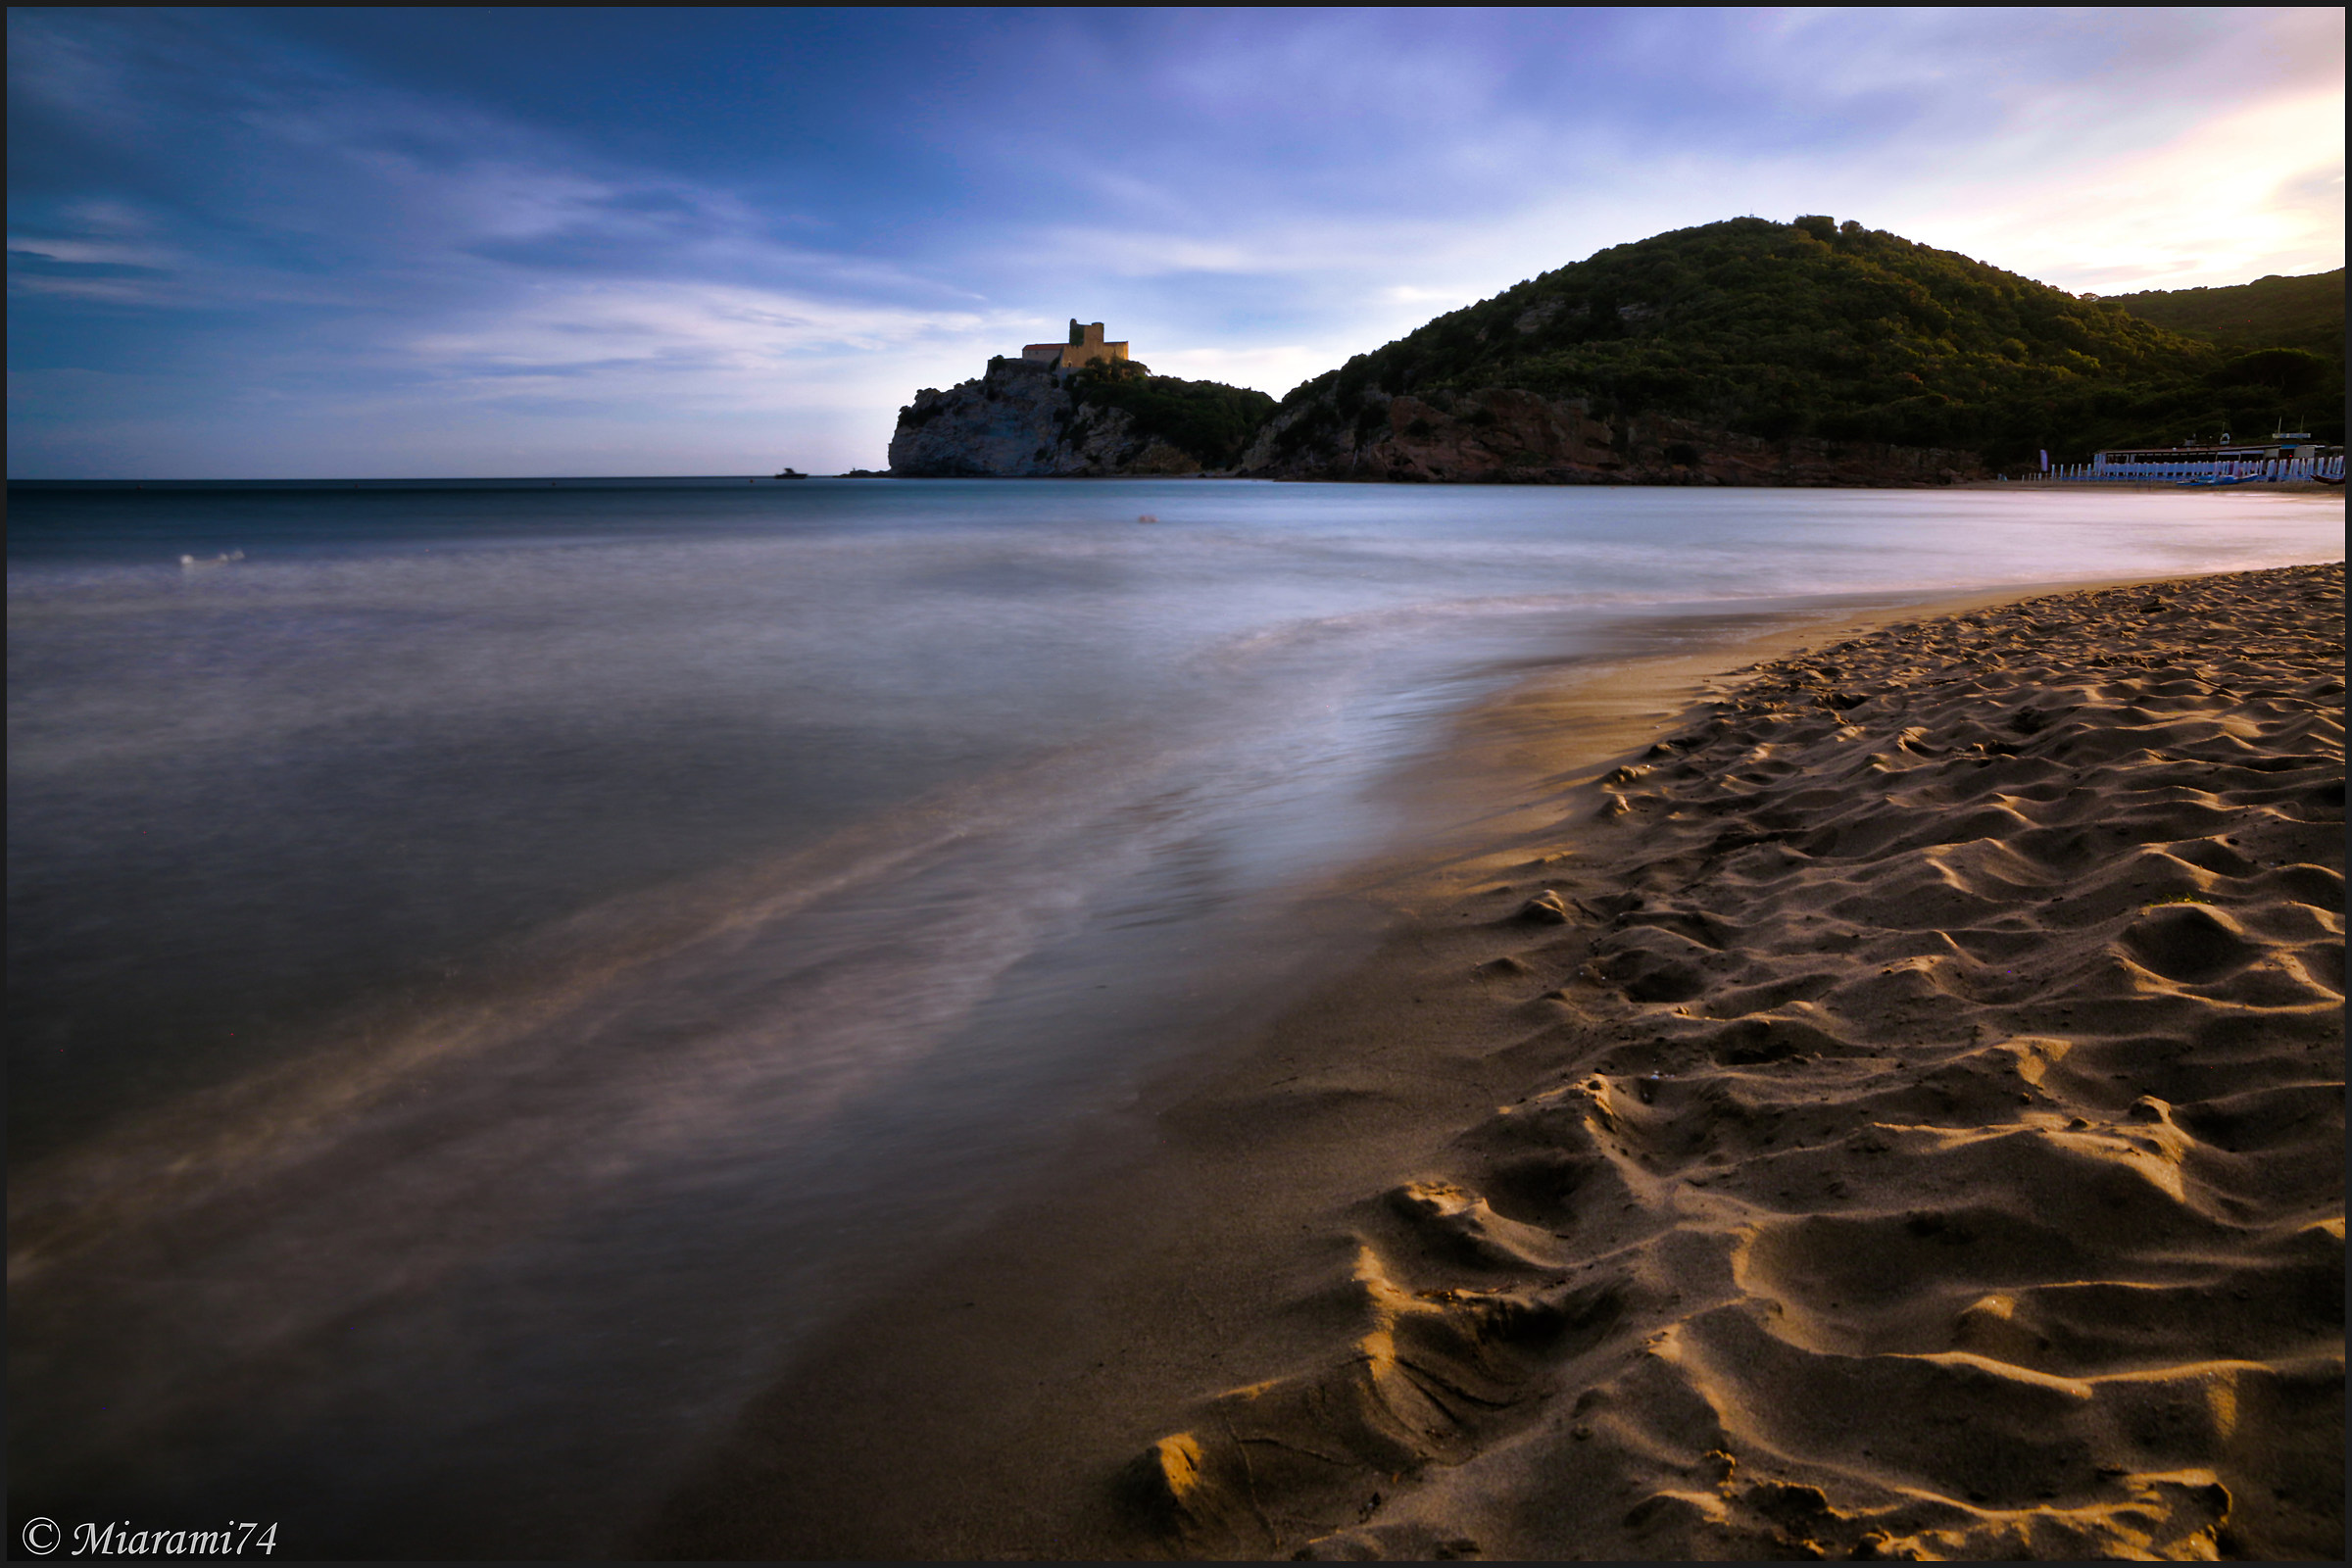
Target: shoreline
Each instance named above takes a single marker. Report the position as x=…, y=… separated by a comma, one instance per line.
x=1054, y=1389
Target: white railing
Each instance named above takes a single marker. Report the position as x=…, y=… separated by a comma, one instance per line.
x=2256, y=471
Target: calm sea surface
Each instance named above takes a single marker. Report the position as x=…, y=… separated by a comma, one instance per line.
x=492, y=966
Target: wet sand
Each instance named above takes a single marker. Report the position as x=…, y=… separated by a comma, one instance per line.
x=1885, y=1101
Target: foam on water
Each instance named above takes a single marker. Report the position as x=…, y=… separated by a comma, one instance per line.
x=491, y=969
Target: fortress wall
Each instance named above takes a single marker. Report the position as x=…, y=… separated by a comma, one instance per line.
x=1077, y=354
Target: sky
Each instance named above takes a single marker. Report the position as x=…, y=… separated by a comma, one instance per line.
x=295, y=243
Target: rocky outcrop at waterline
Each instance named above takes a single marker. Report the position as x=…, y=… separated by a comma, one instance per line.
x=1745, y=352
x=1021, y=421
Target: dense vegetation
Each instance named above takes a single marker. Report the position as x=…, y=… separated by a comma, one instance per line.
x=2271, y=312
x=2288, y=331
x=1208, y=420
x=1835, y=330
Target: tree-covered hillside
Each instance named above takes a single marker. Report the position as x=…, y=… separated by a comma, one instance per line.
x=2271, y=312
x=1207, y=420
x=2287, y=333
x=1025, y=420
x=1825, y=330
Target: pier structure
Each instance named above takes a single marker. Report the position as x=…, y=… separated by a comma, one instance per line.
x=2288, y=455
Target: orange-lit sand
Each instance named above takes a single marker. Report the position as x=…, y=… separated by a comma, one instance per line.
x=1898, y=1112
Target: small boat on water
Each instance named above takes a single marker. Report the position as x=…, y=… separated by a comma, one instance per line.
x=792, y=473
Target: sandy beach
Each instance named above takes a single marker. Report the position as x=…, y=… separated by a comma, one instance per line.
x=769, y=801
x=1893, y=1107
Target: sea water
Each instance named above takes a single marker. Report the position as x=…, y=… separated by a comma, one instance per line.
x=493, y=967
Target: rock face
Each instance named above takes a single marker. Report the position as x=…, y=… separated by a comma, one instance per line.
x=1500, y=435
x=1021, y=421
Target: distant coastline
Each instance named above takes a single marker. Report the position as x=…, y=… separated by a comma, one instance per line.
x=1744, y=353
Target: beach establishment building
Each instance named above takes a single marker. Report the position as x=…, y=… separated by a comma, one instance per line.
x=2287, y=456
x=1085, y=347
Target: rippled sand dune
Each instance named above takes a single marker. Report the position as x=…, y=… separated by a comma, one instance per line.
x=1928, y=1134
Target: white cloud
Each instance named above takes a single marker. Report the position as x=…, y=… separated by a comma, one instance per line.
x=1271, y=367
x=92, y=251
x=1271, y=197
x=2256, y=190
x=576, y=337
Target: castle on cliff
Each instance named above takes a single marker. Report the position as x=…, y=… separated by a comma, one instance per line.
x=1085, y=347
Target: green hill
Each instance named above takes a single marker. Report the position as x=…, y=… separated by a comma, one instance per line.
x=2271, y=312
x=1025, y=420
x=2287, y=333
x=1207, y=420
x=1833, y=331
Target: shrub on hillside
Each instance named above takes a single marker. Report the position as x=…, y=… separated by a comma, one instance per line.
x=1207, y=420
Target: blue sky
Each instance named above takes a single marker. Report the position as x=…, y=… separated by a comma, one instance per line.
x=295, y=243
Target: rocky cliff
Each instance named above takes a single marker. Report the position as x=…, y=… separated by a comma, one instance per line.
x=1744, y=352
x=1500, y=436
x=1019, y=421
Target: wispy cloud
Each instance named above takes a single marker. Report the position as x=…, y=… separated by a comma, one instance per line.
x=263, y=239
x=700, y=343
x=2140, y=218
